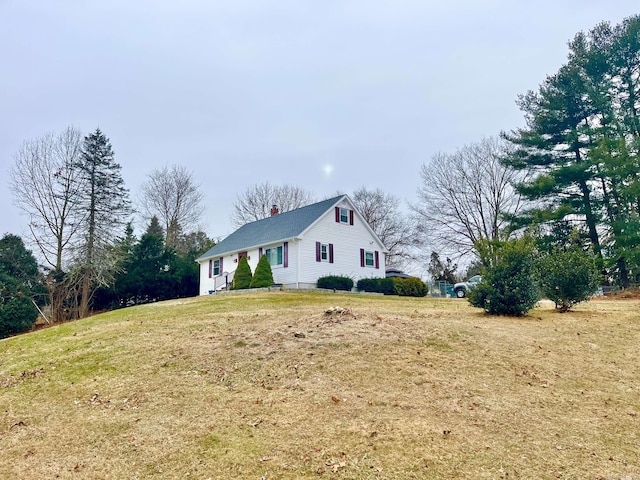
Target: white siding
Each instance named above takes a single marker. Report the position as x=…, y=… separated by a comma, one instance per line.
x=206, y=283
x=347, y=241
x=229, y=264
x=303, y=270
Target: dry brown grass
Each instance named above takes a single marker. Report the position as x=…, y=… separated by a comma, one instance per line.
x=272, y=386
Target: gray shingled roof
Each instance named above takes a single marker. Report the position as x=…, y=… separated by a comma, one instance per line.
x=279, y=227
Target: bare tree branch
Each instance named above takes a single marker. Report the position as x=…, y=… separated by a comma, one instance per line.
x=173, y=195
x=382, y=213
x=256, y=202
x=47, y=188
x=464, y=197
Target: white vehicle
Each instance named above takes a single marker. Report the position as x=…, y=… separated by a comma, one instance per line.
x=461, y=289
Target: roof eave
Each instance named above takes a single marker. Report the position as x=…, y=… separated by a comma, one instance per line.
x=238, y=250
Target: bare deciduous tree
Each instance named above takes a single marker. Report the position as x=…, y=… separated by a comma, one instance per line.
x=382, y=213
x=464, y=197
x=47, y=187
x=256, y=202
x=172, y=195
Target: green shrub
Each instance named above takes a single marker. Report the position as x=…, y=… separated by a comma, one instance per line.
x=335, y=282
x=17, y=312
x=568, y=277
x=377, y=285
x=410, y=287
x=508, y=284
x=242, y=277
x=263, y=276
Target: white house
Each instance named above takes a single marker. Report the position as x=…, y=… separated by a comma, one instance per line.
x=326, y=238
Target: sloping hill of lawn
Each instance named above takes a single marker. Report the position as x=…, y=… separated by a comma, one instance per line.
x=286, y=385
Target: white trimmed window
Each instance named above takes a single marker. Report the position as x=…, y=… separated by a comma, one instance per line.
x=369, y=259
x=216, y=267
x=324, y=252
x=344, y=215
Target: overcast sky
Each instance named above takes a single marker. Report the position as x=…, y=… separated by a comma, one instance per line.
x=325, y=95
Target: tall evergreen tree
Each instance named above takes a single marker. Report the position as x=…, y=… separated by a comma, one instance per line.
x=582, y=140
x=107, y=206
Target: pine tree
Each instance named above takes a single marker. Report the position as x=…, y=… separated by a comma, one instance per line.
x=154, y=227
x=263, y=276
x=580, y=145
x=107, y=206
x=20, y=280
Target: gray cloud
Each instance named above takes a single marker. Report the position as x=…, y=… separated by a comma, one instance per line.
x=247, y=91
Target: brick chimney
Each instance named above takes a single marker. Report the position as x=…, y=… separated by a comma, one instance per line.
x=274, y=210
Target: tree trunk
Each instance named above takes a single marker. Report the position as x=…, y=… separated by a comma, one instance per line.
x=623, y=272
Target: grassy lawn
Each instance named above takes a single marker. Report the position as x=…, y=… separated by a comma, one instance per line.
x=286, y=385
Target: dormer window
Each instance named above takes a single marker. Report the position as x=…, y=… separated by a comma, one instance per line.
x=344, y=216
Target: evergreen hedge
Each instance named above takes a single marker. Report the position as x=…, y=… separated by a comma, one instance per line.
x=410, y=287
x=335, y=282
x=377, y=285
